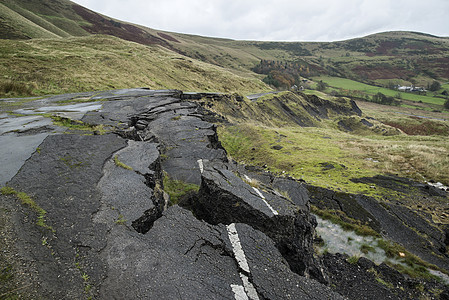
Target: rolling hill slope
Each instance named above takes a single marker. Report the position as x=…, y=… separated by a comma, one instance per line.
x=381, y=59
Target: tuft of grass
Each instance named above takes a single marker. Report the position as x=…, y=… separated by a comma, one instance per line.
x=121, y=220
x=78, y=125
x=353, y=259
x=336, y=217
x=364, y=248
x=177, y=188
x=283, y=194
x=26, y=199
x=252, y=182
x=410, y=264
x=120, y=164
x=383, y=282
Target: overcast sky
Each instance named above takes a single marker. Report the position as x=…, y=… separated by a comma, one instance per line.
x=281, y=20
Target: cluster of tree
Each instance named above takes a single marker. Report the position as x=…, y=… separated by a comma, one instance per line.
x=382, y=99
x=283, y=74
x=435, y=86
x=321, y=86
x=279, y=79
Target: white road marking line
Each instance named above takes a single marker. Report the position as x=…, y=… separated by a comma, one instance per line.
x=265, y=201
x=239, y=292
x=262, y=197
x=237, y=247
x=201, y=165
x=249, y=290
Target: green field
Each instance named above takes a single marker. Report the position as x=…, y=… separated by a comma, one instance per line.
x=347, y=84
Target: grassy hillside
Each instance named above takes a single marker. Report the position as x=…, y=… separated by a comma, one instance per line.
x=336, y=151
x=400, y=57
x=45, y=66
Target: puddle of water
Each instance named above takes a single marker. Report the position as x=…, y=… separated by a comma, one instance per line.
x=14, y=151
x=81, y=108
x=338, y=240
x=20, y=124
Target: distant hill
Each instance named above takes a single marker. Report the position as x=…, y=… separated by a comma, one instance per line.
x=380, y=59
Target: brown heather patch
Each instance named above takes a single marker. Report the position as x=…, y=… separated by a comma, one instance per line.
x=422, y=128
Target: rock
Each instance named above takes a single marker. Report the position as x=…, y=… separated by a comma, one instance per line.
x=187, y=258
x=395, y=222
x=225, y=198
x=366, y=123
x=277, y=147
x=365, y=280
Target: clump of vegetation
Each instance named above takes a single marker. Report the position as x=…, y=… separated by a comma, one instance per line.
x=71, y=162
x=78, y=125
x=121, y=220
x=410, y=264
x=120, y=164
x=366, y=248
x=385, y=100
x=252, y=182
x=335, y=216
x=353, y=259
x=25, y=199
x=177, y=188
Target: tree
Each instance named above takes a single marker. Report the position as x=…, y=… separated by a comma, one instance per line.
x=321, y=86
x=382, y=99
x=446, y=104
x=435, y=86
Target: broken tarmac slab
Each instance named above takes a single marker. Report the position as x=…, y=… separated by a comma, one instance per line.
x=184, y=137
x=225, y=198
x=87, y=250
x=185, y=258
x=128, y=185
x=55, y=228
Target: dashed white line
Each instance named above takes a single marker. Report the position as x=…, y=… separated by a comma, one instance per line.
x=262, y=197
x=265, y=201
x=201, y=165
x=247, y=291
x=249, y=288
x=237, y=247
x=239, y=292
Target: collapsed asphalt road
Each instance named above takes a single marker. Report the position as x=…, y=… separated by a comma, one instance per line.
x=85, y=211
x=86, y=215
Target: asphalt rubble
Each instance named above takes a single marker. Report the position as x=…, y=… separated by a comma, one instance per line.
x=112, y=232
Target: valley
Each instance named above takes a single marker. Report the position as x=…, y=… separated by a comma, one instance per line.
x=140, y=163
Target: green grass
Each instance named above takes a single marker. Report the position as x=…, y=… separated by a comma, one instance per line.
x=120, y=164
x=26, y=200
x=347, y=84
x=177, y=188
x=78, y=125
x=336, y=217
x=54, y=66
x=410, y=264
x=120, y=220
x=353, y=259
x=306, y=149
